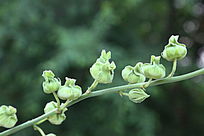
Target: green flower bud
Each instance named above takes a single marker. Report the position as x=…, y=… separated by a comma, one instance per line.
x=174, y=50
x=57, y=118
x=137, y=95
x=50, y=84
x=102, y=70
x=154, y=70
x=69, y=91
x=132, y=74
x=51, y=134
x=8, y=116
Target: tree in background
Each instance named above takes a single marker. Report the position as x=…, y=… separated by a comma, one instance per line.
x=66, y=36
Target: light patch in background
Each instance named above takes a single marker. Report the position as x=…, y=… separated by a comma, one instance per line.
x=200, y=62
x=185, y=62
x=198, y=9
x=190, y=26
x=187, y=41
x=180, y=3
x=199, y=37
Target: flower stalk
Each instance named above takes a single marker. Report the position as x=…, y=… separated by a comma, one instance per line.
x=102, y=92
x=173, y=68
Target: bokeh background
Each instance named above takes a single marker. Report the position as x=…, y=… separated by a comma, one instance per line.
x=67, y=36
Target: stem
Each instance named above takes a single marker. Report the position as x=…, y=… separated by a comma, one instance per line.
x=93, y=85
x=57, y=99
x=173, y=69
x=148, y=83
x=39, y=129
x=125, y=94
x=41, y=121
x=65, y=104
x=101, y=92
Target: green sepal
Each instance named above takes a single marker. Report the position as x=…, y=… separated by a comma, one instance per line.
x=137, y=95
x=69, y=91
x=57, y=118
x=50, y=84
x=174, y=50
x=8, y=116
x=102, y=70
x=154, y=70
x=133, y=74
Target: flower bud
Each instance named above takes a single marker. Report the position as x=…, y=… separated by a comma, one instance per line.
x=57, y=118
x=132, y=74
x=69, y=91
x=174, y=50
x=50, y=84
x=137, y=95
x=102, y=70
x=51, y=134
x=8, y=116
x=154, y=70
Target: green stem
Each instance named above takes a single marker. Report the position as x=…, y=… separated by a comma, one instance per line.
x=173, y=68
x=125, y=94
x=41, y=121
x=93, y=85
x=39, y=129
x=101, y=92
x=148, y=83
x=65, y=104
x=57, y=99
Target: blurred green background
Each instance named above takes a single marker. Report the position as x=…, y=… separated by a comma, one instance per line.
x=67, y=36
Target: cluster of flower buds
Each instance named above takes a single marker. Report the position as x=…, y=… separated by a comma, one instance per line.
x=57, y=118
x=153, y=70
x=137, y=95
x=133, y=74
x=8, y=116
x=51, y=84
x=174, y=50
x=69, y=91
x=102, y=70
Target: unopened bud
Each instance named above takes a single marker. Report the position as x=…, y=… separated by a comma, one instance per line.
x=132, y=74
x=154, y=70
x=50, y=84
x=8, y=116
x=102, y=70
x=137, y=95
x=69, y=91
x=57, y=118
x=174, y=50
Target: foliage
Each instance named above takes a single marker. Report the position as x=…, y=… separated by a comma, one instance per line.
x=66, y=36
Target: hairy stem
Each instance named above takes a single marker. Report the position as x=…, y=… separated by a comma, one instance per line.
x=173, y=68
x=101, y=92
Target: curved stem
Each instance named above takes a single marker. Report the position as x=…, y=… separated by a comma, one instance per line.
x=148, y=83
x=93, y=85
x=173, y=68
x=65, y=104
x=101, y=92
x=39, y=129
x=57, y=99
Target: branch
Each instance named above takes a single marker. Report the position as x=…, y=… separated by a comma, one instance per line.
x=101, y=92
